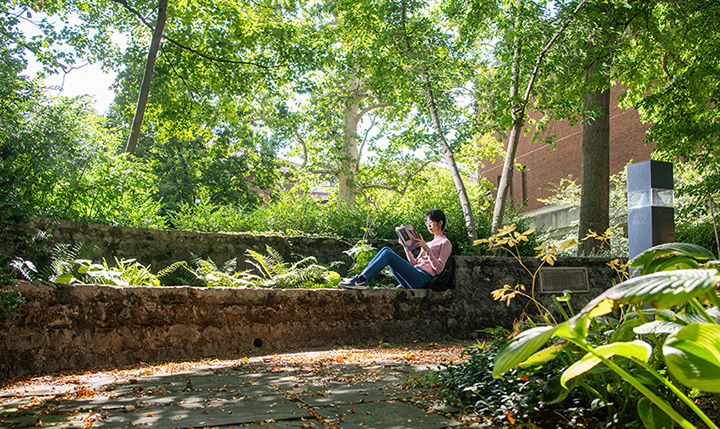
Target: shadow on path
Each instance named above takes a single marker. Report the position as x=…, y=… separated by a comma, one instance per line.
x=345, y=388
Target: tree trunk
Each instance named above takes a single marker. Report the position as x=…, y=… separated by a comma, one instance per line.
x=147, y=77
x=595, y=191
x=518, y=112
x=518, y=115
x=447, y=153
x=350, y=156
x=450, y=159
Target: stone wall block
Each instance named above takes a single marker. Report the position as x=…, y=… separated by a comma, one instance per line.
x=75, y=327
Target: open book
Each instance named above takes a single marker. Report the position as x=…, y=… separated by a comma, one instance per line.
x=409, y=237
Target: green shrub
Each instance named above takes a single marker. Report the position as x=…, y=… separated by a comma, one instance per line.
x=274, y=272
x=471, y=385
x=697, y=229
x=65, y=268
x=204, y=273
x=206, y=217
x=650, y=358
x=361, y=253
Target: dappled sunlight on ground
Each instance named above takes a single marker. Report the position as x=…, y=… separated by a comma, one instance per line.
x=372, y=386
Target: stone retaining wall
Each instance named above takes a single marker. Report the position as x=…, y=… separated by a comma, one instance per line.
x=161, y=248
x=72, y=327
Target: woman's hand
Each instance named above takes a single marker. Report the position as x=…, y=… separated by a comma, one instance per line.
x=422, y=243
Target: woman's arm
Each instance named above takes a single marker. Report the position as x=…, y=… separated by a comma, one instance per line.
x=410, y=257
x=438, y=263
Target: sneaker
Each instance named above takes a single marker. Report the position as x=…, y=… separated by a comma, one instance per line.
x=354, y=283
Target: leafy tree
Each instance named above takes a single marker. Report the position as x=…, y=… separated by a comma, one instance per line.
x=513, y=41
x=420, y=58
x=632, y=43
x=344, y=110
x=671, y=70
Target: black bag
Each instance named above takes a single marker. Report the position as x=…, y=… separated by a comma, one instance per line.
x=441, y=282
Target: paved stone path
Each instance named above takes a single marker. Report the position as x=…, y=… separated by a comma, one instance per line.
x=350, y=388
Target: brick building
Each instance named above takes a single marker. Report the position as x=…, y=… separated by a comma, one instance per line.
x=544, y=166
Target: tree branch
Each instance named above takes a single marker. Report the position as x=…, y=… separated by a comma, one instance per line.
x=296, y=133
x=365, y=139
x=142, y=19
x=324, y=171
x=371, y=108
x=541, y=55
x=404, y=189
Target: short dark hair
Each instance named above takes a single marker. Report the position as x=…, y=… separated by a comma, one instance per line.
x=437, y=215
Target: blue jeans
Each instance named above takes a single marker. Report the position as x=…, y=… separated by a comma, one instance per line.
x=408, y=276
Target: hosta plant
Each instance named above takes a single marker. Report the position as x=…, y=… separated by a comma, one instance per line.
x=665, y=345
x=126, y=272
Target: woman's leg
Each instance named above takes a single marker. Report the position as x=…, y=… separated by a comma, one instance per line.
x=415, y=280
x=404, y=271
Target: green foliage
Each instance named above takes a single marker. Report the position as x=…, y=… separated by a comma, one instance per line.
x=272, y=271
x=700, y=230
x=684, y=332
x=58, y=160
x=206, y=217
x=275, y=272
x=437, y=192
x=361, y=253
x=65, y=268
x=296, y=212
x=471, y=384
x=205, y=273
x=567, y=193
x=9, y=299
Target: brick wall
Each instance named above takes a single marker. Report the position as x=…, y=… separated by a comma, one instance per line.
x=545, y=165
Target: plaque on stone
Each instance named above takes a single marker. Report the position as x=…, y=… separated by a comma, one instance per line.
x=560, y=279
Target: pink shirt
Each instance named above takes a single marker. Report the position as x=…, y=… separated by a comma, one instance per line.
x=434, y=262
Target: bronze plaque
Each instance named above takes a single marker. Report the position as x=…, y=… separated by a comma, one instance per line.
x=558, y=280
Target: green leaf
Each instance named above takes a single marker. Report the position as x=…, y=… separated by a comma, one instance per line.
x=658, y=327
x=692, y=355
x=64, y=278
x=553, y=392
x=545, y=355
x=661, y=290
x=625, y=332
x=637, y=350
x=669, y=264
x=677, y=249
x=521, y=347
x=653, y=417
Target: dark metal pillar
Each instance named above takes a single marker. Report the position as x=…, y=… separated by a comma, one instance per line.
x=651, y=212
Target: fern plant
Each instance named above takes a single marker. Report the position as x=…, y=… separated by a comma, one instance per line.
x=62, y=267
x=205, y=273
x=275, y=272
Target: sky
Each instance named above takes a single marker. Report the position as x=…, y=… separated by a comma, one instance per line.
x=88, y=79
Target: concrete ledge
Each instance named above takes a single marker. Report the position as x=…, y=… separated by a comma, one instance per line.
x=72, y=327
